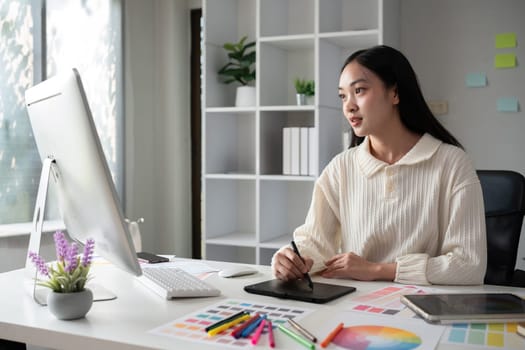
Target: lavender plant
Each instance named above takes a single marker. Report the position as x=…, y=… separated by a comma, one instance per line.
x=70, y=272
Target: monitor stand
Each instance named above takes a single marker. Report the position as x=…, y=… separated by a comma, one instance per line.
x=39, y=293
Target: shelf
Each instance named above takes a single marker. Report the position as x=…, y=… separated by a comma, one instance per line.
x=272, y=123
x=287, y=17
x=287, y=108
x=345, y=15
x=283, y=207
x=229, y=206
x=245, y=255
x=290, y=43
x=231, y=176
x=241, y=239
x=287, y=178
x=250, y=209
x=265, y=255
x=240, y=110
x=283, y=63
x=356, y=39
x=277, y=242
x=229, y=143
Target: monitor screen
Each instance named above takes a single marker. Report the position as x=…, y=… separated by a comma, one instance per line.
x=64, y=130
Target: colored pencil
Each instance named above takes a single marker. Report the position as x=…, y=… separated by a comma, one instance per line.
x=257, y=335
x=332, y=335
x=226, y=320
x=248, y=330
x=303, y=331
x=225, y=326
x=237, y=331
x=270, y=334
x=296, y=337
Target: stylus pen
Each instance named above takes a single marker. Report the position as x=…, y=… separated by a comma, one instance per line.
x=306, y=275
x=302, y=330
x=296, y=337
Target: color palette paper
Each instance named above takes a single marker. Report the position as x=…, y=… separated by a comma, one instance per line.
x=191, y=327
x=386, y=301
x=482, y=335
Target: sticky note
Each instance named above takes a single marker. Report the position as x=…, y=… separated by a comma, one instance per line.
x=507, y=104
x=505, y=60
x=476, y=80
x=505, y=40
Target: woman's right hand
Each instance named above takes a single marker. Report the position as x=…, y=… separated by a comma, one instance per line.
x=287, y=265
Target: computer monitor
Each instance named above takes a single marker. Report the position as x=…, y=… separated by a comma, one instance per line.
x=64, y=131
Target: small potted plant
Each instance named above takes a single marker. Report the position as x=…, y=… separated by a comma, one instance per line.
x=304, y=88
x=240, y=69
x=69, y=299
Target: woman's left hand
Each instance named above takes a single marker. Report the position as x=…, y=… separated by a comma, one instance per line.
x=351, y=265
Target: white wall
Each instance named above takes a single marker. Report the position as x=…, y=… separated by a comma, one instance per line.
x=445, y=40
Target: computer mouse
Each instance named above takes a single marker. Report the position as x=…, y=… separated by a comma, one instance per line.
x=236, y=271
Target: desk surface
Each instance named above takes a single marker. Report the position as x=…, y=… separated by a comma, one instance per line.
x=124, y=323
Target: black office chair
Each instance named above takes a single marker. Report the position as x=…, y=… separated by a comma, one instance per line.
x=504, y=198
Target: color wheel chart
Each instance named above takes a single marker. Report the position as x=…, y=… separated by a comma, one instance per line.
x=386, y=301
x=371, y=337
x=373, y=332
x=484, y=336
x=191, y=327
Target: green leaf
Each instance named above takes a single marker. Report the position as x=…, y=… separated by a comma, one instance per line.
x=241, y=59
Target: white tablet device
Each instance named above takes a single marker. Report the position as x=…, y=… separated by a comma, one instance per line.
x=467, y=307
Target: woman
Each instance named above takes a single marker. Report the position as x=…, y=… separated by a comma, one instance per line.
x=404, y=203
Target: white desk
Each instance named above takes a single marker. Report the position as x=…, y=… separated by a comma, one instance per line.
x=123, y=323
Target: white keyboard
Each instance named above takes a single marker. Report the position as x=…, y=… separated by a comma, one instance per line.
x=172, y=282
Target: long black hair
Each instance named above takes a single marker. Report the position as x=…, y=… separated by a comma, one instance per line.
x=393, y=68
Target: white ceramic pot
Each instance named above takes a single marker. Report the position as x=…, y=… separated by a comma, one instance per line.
x=245, y=96
x=70, y=306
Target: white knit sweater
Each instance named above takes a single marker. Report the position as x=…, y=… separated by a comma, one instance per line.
x=424, y=212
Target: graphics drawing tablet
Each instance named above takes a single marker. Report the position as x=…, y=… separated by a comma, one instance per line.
x=466, y=307
x=299, y=290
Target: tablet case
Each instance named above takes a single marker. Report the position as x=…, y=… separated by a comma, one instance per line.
x=299, y=290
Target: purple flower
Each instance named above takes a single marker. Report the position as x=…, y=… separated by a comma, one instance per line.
x=88, y=252
x=70, y=259
x=40, y=263
x=61, y=245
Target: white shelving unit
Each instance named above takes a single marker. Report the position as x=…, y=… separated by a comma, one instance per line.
x=249, y=208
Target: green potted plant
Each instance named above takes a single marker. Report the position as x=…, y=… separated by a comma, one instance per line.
x=303, y=88
x=240, y=69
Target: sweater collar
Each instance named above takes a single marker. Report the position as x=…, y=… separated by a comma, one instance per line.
x=426, y=146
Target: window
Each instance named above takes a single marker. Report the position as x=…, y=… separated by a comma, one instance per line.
x=37, y=39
